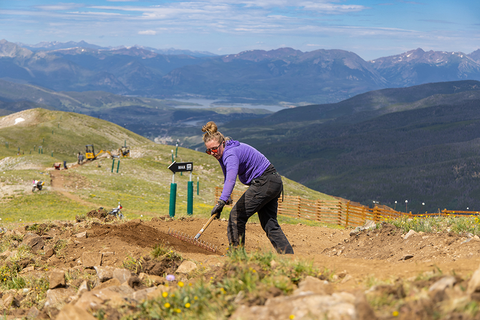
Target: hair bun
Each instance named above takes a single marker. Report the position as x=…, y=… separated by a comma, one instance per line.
x=210, y=127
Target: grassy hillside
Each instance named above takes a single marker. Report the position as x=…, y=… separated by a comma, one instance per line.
x=142, y=183
x=62, y=134
x=425, y=151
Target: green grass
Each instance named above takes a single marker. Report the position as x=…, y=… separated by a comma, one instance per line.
x=467, y=224
x=40, y=206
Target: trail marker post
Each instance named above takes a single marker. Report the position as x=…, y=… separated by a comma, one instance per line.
x=180, y=167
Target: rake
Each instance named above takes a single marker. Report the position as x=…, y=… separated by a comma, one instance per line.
x=194, y=240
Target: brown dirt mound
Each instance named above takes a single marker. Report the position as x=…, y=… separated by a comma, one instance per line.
x=98, y=213
x=388, y=243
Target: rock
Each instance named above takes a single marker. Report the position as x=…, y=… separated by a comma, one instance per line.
x=474, y=283
x=82, y=288
x=142, y=295
x=81, y=234
x=89, y=301
x=56, y=297
x=273, y=264
x=8, y=300
x=104, y=273
x=313, y=285
x=33, y=313
x=406, y=257
x=347, y=278
x=121, y=274
x=108, y=283
x=155, y=280
x=33, y=241
x=91, y=259
x=56, y=279
x=443, y=283
x=186, y=267
x=409, y=234
x=309, y=306
x=72, y=312
x=115, y=295
x=369, y=224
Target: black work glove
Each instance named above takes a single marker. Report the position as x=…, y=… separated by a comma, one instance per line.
x=218, y=209
x=229, y=201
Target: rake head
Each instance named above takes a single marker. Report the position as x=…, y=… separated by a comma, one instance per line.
x=199, y=243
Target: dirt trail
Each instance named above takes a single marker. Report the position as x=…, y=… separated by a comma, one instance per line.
x=382, y=253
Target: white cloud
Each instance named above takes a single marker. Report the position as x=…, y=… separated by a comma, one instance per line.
x=148, y=32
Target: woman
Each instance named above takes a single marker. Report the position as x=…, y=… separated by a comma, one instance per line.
x=265, y=186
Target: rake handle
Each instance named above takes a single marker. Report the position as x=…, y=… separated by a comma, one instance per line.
x=205, y=226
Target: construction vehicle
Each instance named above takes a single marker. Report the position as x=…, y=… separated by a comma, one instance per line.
x=124, y=152
x=90, y=152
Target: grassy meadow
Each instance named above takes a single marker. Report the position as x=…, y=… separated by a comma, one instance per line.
x=142, y=183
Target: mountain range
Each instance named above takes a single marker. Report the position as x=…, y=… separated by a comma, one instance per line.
x=257, y=76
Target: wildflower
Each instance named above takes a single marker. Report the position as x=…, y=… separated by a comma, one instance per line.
x=187, y=305
x=178, y=310
x=395, y=313
x=180, y=284
x=167, y=305
x=195, y=298
x=170, y=277
x=164, y=294
x=292, y=316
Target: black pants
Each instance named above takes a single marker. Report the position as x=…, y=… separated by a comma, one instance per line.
x=262, y=197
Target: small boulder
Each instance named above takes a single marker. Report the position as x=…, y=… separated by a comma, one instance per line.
x=56, y=279
x=186, y=267
x=72, y=312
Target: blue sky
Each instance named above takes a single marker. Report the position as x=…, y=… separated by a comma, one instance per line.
x=371, y=29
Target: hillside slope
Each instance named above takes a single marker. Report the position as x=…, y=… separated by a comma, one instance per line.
x=425, y=151
x=62, y=133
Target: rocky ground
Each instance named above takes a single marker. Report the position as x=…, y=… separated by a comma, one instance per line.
x=86, y=263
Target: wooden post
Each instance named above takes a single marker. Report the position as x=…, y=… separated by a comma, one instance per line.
x=375, y=214
x=346, y=218
x=298, y=206
x=339, y=213
x=319, y=210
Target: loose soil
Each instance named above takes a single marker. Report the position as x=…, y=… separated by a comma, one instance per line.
x=383, y=252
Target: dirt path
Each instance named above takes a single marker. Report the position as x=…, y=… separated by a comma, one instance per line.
x=382, y=253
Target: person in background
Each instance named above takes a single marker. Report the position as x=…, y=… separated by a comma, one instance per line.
x=78, y=158
x=265, y=186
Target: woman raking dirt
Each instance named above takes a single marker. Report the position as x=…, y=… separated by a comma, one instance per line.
x=265, y=186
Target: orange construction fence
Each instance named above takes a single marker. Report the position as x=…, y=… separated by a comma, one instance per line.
x=339, y=211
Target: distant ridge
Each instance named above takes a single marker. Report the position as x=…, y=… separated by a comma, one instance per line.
x=283, y=75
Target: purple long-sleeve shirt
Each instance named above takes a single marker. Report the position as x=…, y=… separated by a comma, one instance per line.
x=242, y=160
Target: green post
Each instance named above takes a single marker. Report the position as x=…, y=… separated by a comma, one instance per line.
x=176, y=150
x=38, y=150
x=173, y=197
x=52, y=131
x=190, y=196
x=42, y=150
x=198, y=186
x=172, y=156
x=118, y=164
x=52, y=154
x=6, y=145
x=113, y=163
x=125, y=143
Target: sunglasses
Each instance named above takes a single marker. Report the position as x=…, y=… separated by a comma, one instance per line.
x=213, y=150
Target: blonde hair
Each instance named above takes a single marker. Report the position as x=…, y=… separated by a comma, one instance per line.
x=212, y=133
